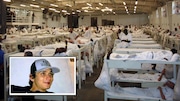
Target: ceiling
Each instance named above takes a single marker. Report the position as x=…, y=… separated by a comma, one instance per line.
x=94, y=7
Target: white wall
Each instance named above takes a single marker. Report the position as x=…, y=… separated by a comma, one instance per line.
x=125, y=19
x=169, y=22
x=61, y=21
x=84, y=20
x=176, y=21
x=137, y=19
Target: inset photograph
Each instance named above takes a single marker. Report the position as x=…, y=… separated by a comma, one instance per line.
x=42, y=76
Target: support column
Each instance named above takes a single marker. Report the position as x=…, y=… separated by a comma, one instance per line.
x=169, y=14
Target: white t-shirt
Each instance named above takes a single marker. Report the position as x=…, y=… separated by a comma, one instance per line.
x=123, y=44
x=72, y=36
x=87, y=34
x=155, y=55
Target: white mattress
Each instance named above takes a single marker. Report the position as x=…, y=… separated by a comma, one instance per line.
x=145, y=46
x=143, y=39
x=143, y=42
x=132, y=50
x=127, y=77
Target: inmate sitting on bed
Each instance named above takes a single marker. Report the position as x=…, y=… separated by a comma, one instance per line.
x=165, y=92
x=73, y=37
x=125, y=37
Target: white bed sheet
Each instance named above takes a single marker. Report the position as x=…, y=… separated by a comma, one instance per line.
x=144, y=42
x=127, y=96
x=143, y=39
x=132, y=50
x=149, y=46
x=127, y=77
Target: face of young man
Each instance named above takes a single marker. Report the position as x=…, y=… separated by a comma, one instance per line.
x=42, y=80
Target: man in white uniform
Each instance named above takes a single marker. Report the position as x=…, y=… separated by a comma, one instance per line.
x=88, y=33
x=126, y=39
x=72, y=36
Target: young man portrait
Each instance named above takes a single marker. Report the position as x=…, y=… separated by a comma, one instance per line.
x=40, y=78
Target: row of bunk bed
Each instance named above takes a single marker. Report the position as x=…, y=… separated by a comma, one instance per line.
x=168, y=39
x=44, y=45
x=134, y=64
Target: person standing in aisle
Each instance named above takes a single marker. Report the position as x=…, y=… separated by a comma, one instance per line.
x=1, y=73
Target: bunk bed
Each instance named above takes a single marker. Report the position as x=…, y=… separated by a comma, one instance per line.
x=148, y=46
x=132, y=50
x=144, y=42
x=133, y=65
x=142, y=39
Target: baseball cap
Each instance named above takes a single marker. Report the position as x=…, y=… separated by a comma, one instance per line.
x=42, y=64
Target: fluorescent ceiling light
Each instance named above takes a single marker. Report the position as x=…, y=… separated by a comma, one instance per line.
x=64, y=11
x=57, y=11
x=42, y=8
x=32, y=5
x=68, y=13
x=7, y=0
x=97, y=8
x=136, y=2
x=69, y=5
x=78, y=11
x=22, y=5
x=73, y=12
x=85, y=7
x=54, y=5
x=124, y=3
x=135, y=6
x=52, y=9
x=85, y=10
x=88, y=4
x=100, y=4
x=103, y=10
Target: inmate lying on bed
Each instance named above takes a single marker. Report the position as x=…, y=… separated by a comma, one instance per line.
x=164, y=55
x=164, y=92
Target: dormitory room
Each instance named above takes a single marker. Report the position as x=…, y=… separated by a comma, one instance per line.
x=89, y=50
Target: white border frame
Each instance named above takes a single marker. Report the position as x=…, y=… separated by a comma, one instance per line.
x=35, y=58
